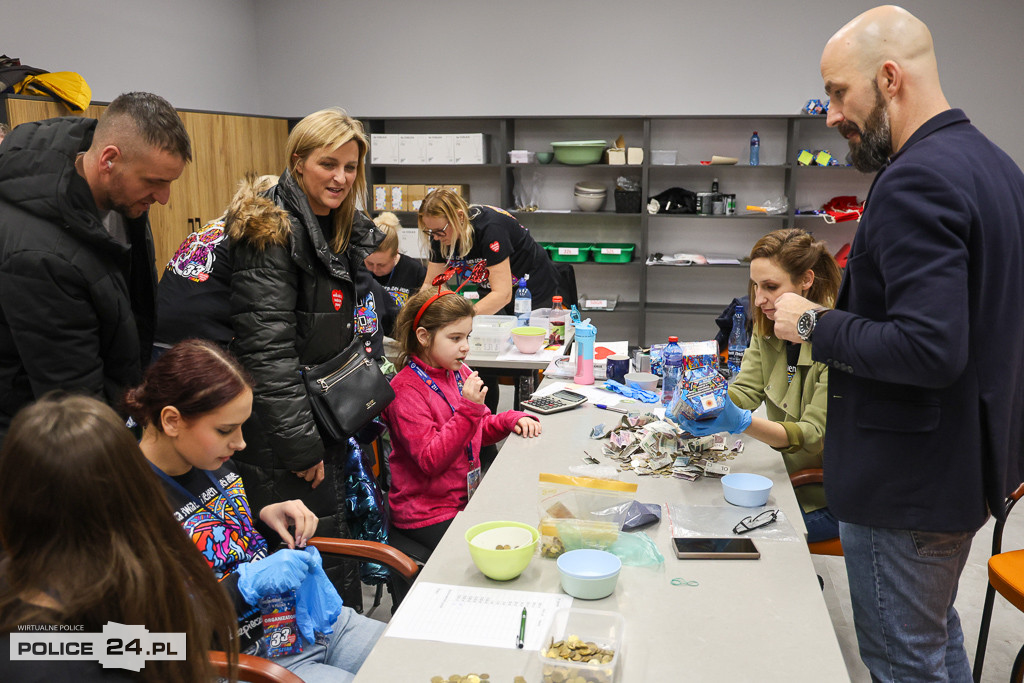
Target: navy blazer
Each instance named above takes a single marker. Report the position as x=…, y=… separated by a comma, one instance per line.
x=926, y=345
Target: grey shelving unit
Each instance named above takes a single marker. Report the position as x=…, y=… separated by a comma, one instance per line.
x=654, y=301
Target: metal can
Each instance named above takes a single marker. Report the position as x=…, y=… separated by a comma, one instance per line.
x=718, y=205
x=730, y=204
x=705, y=201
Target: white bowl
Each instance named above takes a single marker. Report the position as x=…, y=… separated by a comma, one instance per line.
x=590, y=202
x=642, y=380
x=746, y=489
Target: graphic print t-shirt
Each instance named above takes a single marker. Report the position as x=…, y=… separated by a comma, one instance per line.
x=497, y=236
x=404, y=280
x=225, y=538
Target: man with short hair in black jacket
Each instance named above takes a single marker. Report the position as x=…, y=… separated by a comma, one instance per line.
x=77, y=278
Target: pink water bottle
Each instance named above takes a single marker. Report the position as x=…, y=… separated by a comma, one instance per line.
x=585, y=335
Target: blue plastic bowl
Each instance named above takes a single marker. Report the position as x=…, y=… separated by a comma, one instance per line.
x=746, y=489
x=589, y=574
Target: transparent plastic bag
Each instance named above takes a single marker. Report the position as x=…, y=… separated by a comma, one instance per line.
x=581, y=512
x=718, y=521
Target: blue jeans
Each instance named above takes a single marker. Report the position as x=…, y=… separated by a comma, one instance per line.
x=903, y=584
x=821, y=525
x=339, y=660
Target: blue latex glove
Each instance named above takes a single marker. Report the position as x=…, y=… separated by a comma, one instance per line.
x=732, y=419
x=631, y=392
x=317, y=603
x=277, y=573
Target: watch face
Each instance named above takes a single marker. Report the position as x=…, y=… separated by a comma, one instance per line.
x=805, y=324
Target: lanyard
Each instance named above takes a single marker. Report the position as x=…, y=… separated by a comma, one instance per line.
x=437, y=390
x=243, y=530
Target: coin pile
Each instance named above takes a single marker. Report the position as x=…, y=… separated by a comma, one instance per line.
x=469, y=678
x=573, y=649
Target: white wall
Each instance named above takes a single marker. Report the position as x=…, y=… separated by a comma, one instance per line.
x=522, y=57
x=199, y=54
x=514, y=57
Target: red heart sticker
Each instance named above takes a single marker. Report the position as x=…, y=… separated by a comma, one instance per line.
x=337, y=296
x=494, y=247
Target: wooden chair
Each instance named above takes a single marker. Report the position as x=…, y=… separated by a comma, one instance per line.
x=830, y=546
x=404, y=570
x=1005, y=575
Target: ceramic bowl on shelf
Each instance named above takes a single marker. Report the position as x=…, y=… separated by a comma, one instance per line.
x=502, y=564
x=529, y=339
x=590, y=196
x=545, y=157
x=579, y=152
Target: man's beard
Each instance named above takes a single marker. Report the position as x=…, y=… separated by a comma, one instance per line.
x=875, y=146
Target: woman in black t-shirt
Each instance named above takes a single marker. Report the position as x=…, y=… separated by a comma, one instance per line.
x=462, y=235
x=399, y=275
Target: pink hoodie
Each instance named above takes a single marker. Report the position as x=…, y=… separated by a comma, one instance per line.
x=428, y=459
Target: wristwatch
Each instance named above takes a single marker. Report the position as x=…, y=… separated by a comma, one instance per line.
x=805, y=324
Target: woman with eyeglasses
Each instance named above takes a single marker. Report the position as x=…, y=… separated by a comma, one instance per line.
x=780, y=374
x=297, y=249
x=463, y=235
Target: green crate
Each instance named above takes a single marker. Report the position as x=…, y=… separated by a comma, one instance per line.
x=613, y=252
x=569, y=252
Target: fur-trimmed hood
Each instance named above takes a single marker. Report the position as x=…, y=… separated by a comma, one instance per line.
x=257, y=219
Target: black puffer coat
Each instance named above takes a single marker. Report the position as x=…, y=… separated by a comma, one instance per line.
x=76, y=306
x=292, y=303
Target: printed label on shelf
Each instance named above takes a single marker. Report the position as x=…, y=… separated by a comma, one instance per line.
x=610, y=250
x=568, y=251
x=596, y=303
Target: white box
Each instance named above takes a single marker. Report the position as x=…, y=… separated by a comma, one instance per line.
x=635, y=156
x=384, y=148
x=440, y=149
x=663, y=157
x=471, y=148
x=412, y=149
x=411, y=244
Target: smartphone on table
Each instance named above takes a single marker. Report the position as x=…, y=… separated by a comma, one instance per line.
x=715, y=549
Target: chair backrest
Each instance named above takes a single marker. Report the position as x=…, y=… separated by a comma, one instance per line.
x=254, y=669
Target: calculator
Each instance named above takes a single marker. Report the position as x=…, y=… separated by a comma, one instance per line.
x=554, y=403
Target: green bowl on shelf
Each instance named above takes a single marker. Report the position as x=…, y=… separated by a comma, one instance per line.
x=579, y=152
x=545, y=157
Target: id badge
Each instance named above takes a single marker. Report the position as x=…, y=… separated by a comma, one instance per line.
x=472, y=481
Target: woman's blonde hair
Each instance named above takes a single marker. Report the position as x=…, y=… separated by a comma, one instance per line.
x=331, y=128
x=449, y=206
x=796, y=252
x=388, y=224
x=444, y=310
x=86, y=523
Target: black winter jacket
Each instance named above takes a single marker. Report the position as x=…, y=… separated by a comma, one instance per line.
x=292, y=304
x=76, y=306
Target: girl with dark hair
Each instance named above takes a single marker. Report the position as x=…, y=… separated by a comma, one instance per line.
x=438, y=419
x=88, y=538
x=192, y=403
x=780, y=374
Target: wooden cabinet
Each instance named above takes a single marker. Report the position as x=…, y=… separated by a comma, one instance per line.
x=224, y=148
x=654, y=301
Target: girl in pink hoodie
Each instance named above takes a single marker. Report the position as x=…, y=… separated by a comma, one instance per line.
x=438, y=420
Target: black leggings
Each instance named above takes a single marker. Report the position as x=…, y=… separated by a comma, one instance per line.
x=427, y=536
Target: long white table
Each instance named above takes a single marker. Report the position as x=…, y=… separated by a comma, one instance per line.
x=747, y=620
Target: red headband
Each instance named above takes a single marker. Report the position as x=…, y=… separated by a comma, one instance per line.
x=477, y=275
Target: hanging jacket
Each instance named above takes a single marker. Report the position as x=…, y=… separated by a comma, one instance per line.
x=76, y=305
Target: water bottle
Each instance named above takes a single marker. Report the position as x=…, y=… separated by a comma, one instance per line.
x=755, y=149
x=524, y=302
x=585, y=336
x=672, y=369
x=737, y=340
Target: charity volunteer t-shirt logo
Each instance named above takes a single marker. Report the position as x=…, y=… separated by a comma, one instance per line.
x=494, y=246
x=337, y=296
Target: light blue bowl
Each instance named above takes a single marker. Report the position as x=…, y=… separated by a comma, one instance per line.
x=589, y=574
x=746, y=489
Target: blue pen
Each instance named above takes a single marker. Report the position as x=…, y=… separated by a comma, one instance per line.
x=602, y=406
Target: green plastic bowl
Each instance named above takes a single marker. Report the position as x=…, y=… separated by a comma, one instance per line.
x=501, y=565
x=579, y=152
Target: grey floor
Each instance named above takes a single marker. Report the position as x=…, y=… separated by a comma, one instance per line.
x=1005, y=636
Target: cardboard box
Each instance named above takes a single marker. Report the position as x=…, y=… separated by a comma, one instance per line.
x=472, y=148
x=461, y=190
x=414, y=196
x=384, y=148
x=615, y=157
x=440, y=149
x=412, y=149
x=635, y=156
x=380, y=197
x=396, y=197
x=427, y=189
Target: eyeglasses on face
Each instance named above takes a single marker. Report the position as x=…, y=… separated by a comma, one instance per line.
x=755, y=521
x=438, y=232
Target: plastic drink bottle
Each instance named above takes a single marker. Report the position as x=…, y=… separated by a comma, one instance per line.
x=523, y=302
x=557, y=319
x=755, y=149
x=672, y=369
x=585, y=336
x=737, y=340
